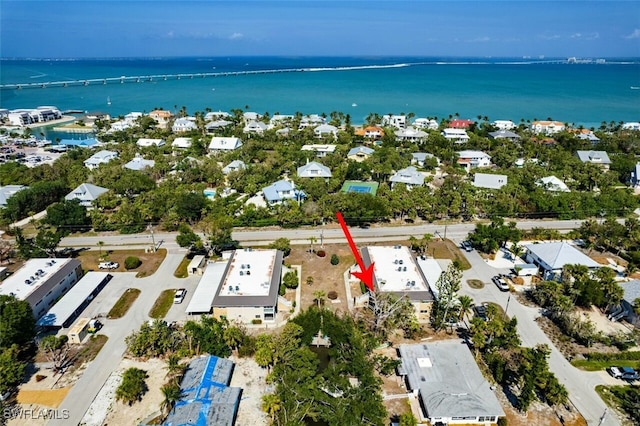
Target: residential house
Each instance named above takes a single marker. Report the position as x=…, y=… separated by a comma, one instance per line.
x=600, y=158
x=446, y=379
x=162, y=117
x=224, y=144
x=255, y=127
x=319, y=149
x=216, y=115
x=520, y=162
x=397, y=121
x=251, y=116
x=234, y=166
x=278, y=120
x=631, y=294
x=456, y=135
x=505, y=134
x=184, y=124
x=359, y=153
x=281, y=191
x=587, y=135
x=216, y=125
x=410, y=135
x=553, y=184
x=489, y=181
x=633, y=125
x=635, y=176
x=370, y=132
x=314, y=170
x=460, y=123
x=552, y=257
x=146, y=142
x=473, y=159
x=547, y=127
x=419, y=158
x=409, y=176
x=181, y=143
x=312, y=120
x=87, y=194
x=326, y=130
x=138, y=163
x=100, y=157
x=504, y=124
x=8, y=191
x=426, y=124
x=205, y=395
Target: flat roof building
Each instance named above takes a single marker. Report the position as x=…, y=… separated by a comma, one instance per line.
x=243, y=288
x=40, y=282
x=449, y=384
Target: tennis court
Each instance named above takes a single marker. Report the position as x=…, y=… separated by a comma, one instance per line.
x=360, y=187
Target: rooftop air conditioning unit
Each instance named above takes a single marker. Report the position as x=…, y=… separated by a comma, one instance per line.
x=248, y=266
x=242, y=266
x=237, y=288
x=248, y=272
x=230, y=289
x=241, y=273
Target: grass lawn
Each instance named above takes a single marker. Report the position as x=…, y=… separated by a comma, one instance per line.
x=150, y=261
x=91, y=348
x=476, y=284
x=597, y=365
x=181, y=270
x=447, y=249
x=163, y=304
x=123, y=304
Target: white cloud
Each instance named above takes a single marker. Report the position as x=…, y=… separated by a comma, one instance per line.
x=480, y=39
x=236, y=36
x=634, y=34
x=581, y=36
x=549, y=36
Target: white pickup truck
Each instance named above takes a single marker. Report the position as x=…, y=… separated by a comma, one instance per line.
x=108, y=265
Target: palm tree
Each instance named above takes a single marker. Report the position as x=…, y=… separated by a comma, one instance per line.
x=271, y=404
x=233, y=336
x=319, y=296
x=466, y=303
x=174, y=368
x=100, y=244
x=312, y=241
x=171, y=393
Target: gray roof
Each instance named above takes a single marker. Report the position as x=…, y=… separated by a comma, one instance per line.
x=449, y=380
x=86, y=192
x=139, y=163
x=631, y=290
x=409, y=175
x=489, y=181
x=272, y=192
x=504, y=134
x=207, y=398
x=589, y=137
x=360, y=150
x=421, y=156
x=237, y=301
x=313, y=170
x=7, y=191
x=233, y=166
x=560, y=253
x=596, y=157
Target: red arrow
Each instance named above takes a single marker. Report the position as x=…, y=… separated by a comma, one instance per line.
x=365, y=274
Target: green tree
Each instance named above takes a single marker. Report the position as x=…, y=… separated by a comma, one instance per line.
x=56, y=350
x=282, y=244
x=407, y=419
x=133, y=386
x=17, y=324
x=68, y=216
x=290, y=279
x=12, y=370
x=171, y=393
x=448, y=286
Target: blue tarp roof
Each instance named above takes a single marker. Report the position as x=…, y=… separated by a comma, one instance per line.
x=79, y=142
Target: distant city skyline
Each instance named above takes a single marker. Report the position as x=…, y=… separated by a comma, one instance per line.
x=95, y=29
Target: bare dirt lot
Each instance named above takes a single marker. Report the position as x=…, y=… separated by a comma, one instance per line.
x=150, y=261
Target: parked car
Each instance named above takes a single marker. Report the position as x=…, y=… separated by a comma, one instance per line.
x=481, y=311
x=501, y=283
x=624, y=373
x=108, y=265
x=179, y=296
x=94, y=326
x=466, y=245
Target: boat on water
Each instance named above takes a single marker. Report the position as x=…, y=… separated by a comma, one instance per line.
x=108, y=100
x=635, y=87
x=354, y=104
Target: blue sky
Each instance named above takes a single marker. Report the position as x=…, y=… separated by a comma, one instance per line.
x=134, y=28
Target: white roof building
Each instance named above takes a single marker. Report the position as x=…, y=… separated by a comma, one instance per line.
x=410, y=176
x=320, y=150
x=504, y=124
x=455, y=135
x=397, y=121
x=489, y=181
x=257, y=127
x=419, y=158
x=8, y=191
x=100, y=157
x=147, y=142
x=86, y=193
x=600, y=158
x=138, y=163
x=410, y=134
x=552, y=257
x=472, y=159
x=221, y=144
x=234, y=166
x=547, y=127
x=314, y=170
x=184, y=124
x=359, y=153
x=181, y=143
x=553, y=184
x=426, y=123
x=216, y=115
x=312, y=120
x=325, y=130
x=632, y=125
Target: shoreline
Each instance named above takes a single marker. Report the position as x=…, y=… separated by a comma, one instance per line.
x=63, y=120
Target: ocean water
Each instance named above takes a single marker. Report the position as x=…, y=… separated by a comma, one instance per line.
x=515, y=89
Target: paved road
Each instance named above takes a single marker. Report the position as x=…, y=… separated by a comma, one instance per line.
x=329, y=233
x=87, y=387
x=580, y=384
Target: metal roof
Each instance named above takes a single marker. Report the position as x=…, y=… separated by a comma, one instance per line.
x=560, y=253
x=449, y=380
x=202, y=298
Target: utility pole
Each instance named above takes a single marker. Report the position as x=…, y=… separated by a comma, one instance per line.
x=153, y=240
x=507, y=306
x=603, y=416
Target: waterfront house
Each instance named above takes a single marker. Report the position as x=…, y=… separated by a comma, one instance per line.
x=326, y=130
x=216, y=125
x=312, y=120
x=410, y=135
x=278, y=120
x=409, y=176
x=455, y=135
x=489, y=181
x=419, y=158
x=147, y=142
x=161, y=117
x=138, y=163
x=359, y=153
x=184, y=124
x=234, y=166
x=79, y=143
x=504, y=124
x=224, y=144
x=425, y=124
x=319, y=149
x=600, y=158
x=100, y=157
x=505, y=134
x=86, y=194
x=251, y=116
x=632, y=125
x=216, y=115
x=281, y=191
x=255, y=127
x=553, y=184
x=460, y=123
x=397, y=121
x=314, y=170
x=370, y=132
x=472, y=159
x=547, y=127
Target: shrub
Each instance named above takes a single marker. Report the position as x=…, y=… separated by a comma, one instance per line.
x=283, y=290
x=40, y=377
x=363, y=288
x=335, y=259
x=332, y=295
x=132, y=262
x=321, y=253
x=309, y=280
x=290, y=279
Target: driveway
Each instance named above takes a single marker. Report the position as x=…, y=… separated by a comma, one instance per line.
x=580, y=384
